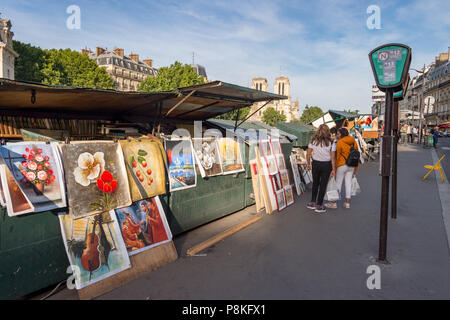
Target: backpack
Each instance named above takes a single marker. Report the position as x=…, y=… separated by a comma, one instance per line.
x=353, y=158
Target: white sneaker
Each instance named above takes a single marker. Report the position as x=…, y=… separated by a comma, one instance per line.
x=346, y=205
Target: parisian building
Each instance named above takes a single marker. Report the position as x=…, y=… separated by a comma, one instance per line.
x=286, y=107
x=7, y=53
x=126, y=71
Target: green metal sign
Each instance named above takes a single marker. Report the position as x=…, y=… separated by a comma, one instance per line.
x=390, y=64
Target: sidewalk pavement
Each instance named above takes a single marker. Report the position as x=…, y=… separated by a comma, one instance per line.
x=296, y=254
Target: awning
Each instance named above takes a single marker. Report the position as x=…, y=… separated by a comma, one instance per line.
x=189, y=103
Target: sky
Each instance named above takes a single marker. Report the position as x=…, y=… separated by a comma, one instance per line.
x=322, y=46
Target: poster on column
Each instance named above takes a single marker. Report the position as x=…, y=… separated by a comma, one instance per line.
x=32, y=177
x=96, y=177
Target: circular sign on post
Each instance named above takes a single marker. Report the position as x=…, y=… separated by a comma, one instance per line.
x=429, y=101
x=390, y=64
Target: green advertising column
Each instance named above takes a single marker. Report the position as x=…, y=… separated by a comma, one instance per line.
x=390, y=65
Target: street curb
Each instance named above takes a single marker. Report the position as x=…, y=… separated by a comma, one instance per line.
x=444, y=195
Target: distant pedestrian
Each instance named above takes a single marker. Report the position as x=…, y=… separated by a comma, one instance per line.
x=322, y=151
x=409, y=133
x=403, y=133
x=415, y=132
x=344, y=172
x=435, y=136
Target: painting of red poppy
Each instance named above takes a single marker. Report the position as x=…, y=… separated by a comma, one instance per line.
x=96, y=177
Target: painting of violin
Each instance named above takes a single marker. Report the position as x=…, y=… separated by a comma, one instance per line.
x=90, y=260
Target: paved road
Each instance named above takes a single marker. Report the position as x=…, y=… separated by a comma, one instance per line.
x=296, y=254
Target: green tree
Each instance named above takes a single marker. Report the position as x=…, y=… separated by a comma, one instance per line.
x=27, y=67
x=59, y=67
x=171, y=78
x=71, y=68
x=310, y=113
x=271, y=117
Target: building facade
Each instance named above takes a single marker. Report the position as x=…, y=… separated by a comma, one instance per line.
x=126, y=71
x=286, y=107
x=7, y=53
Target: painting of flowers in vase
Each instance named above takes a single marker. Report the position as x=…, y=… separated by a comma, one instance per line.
x=96, y=177
x=145, y=168
x=36, y=167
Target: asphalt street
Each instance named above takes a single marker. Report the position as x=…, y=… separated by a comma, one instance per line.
x=296, y=254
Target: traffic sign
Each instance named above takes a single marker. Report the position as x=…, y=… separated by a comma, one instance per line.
x=390, y=65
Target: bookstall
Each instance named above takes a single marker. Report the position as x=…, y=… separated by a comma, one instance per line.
x=90, y=131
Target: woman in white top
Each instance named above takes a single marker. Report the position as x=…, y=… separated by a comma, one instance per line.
x=322, y=150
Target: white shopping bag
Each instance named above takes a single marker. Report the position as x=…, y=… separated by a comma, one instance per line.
x=332, y=193
x=355, y=187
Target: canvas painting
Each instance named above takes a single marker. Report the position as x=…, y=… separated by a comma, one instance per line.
x=230, y=154
x=94, y=246
x=268, y=181
x=281, y=200
x=296, y=174
x=289, y=195
x=266, y=148
x=145, y=168
x=276, y=146
x=207, y=156
x=143, y=225
x=284, y=177
x=180, y=164
x=36, y=168
x=96, y=177
x=280, y=162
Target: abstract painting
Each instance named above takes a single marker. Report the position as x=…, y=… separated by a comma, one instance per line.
x=34, y=170
x=145, y=168
x=143, y=225
x=94, y=246
x=180, y=164
x=230, y=154
x=96, y=177
x=207, y=156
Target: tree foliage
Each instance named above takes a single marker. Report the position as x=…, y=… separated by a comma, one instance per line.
x=271, y=117
x=243, y=113
x=310, y=113
x=59, y=67
x=171, y=78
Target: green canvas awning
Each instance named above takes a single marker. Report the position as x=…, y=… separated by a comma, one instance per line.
x=302, y=131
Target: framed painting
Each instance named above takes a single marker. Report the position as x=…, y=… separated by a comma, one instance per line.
x=284, y=178
x=143, y=225
x=230, y=154
x=276, y=146
x=94, y=246
x=266, y=148
x=37, y=171
x=269, y=182
x=281, y=200
x=180, y=164
x=280, y=162
x=289, y=195
x=145, y=168
x=296, y=174
x=96, y=177
x=207, y=156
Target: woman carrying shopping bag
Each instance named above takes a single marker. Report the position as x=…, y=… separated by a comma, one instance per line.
x=347, y=157
x=322, y=151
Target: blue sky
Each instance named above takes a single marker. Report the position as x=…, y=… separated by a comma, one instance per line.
x=322, y=46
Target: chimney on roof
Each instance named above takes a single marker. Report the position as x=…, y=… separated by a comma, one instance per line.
x=148, y=62
x=134, y=57
x=119, y=51
x=99, y=51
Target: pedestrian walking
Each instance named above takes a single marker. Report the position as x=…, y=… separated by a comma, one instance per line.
x=403, y=133
x=322, y=151
x=344, y=172
x=415, y=132
x=435, y=136
x=409, y=133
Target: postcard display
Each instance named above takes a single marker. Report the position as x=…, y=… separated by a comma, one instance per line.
x=275, y=170
x=114, y=229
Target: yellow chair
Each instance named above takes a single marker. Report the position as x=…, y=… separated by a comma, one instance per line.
x=437, y=166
